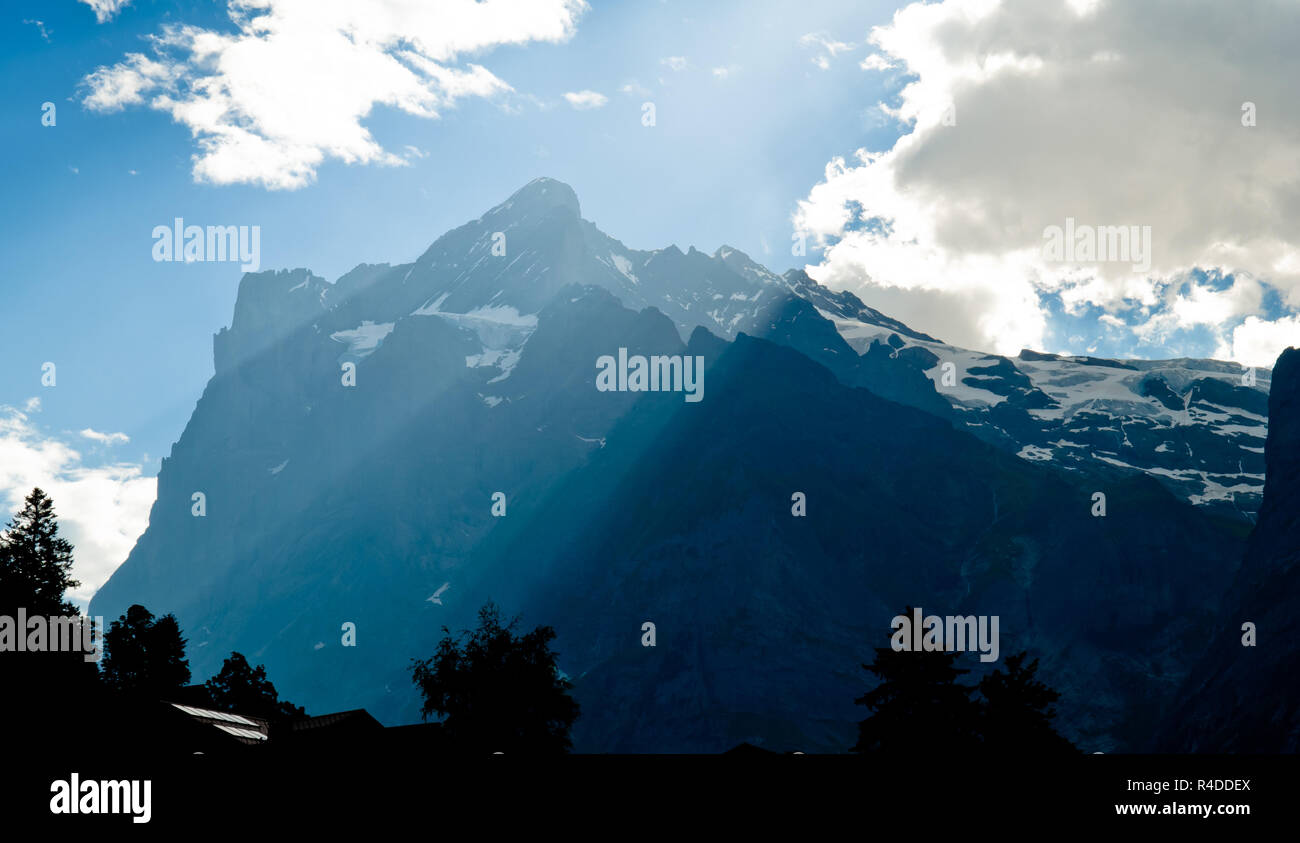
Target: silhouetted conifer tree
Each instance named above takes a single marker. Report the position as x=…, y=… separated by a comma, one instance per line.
x=1018, y=712
x=35, y=562
x=44, y=690
x=918, y=707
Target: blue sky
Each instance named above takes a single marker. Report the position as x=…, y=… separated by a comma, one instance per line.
x=725, y=163
x=730, y=154
x=967, y=125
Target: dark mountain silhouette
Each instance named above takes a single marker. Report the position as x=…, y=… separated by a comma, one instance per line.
x=1245, y=698
x=684, y=520
x=372, y=504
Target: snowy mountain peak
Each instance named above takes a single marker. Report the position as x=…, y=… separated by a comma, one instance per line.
x=542, y=194
x=1191, y=424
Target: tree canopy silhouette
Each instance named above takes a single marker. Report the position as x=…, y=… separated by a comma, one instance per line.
x=919, y=707
x=145, y=656
x=243, y=689
x=494, y=691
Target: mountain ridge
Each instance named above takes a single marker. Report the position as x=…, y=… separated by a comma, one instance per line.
x=329, y=503
x=1191, y=424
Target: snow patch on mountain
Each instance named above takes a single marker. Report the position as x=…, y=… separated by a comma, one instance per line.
x=624, y=266
x=365, y=338
x=1154, y=416
x=1034, y=452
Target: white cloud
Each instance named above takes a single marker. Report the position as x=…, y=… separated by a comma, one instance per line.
x=40, y=27
x=675, y=63
x=1020, y=114
x=105, y=10
x=101, y=509
x=724, y=72
x=269, y=102
x=105, y=438
x=827, y=48
x=635, y=89
x=1257, y=342
x=583, y=100
x=875, y=61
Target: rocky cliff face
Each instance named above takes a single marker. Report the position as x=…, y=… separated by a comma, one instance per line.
x=1245, y=698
